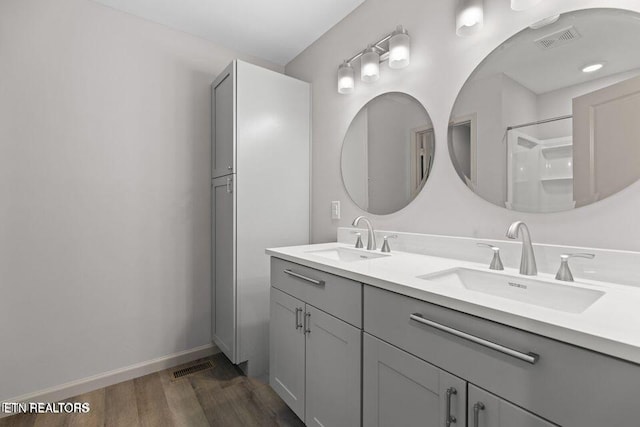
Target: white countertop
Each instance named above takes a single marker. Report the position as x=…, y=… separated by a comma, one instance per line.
x=610, y=326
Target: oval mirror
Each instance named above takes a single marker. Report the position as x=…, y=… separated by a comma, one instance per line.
x=387, y=153
x=549, y=120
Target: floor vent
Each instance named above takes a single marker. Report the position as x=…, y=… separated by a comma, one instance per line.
x=192, y=369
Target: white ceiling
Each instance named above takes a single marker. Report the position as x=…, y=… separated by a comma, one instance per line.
x=275, y=30
x=607, y=35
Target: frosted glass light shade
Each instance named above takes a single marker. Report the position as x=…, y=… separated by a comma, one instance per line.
x=370, y=65
x=399, y=49
x=523, y=4
x=346, y=78
x=469, y=17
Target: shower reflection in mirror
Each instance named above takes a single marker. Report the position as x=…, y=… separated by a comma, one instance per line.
x=549, y=120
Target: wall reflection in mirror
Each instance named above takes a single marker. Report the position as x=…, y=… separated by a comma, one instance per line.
x=387, y=153
x=550, y=120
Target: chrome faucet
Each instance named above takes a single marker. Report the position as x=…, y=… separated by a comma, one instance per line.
x=371, y=237
x=528, y=259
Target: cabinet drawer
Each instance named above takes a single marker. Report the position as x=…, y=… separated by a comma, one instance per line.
x=335, y=295
x=567, y=385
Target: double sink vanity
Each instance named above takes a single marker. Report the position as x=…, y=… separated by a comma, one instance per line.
x=435, y=331
x=418, y=337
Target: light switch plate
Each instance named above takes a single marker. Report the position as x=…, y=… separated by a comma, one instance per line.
x=335, y=210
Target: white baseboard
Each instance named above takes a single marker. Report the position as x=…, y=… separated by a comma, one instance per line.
x=105, y=379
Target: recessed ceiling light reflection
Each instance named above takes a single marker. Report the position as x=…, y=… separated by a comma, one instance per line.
x=592, y=67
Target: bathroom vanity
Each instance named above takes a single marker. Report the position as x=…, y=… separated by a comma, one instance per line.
x=434, y=332
x=365, y=338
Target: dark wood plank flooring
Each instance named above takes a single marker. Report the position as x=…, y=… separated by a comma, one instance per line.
x=220, y=396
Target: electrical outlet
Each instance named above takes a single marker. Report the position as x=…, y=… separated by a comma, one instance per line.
x=335, y=210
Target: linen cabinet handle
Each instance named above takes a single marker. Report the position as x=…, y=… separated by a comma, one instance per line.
x=451, y=391
x=531, y=358
x=476, y=413
x=305, y=278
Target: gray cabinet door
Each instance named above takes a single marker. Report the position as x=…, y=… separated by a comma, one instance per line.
x=287, y=350
x=332, y=371
x=223, y=121
x=401, y=390
x=488, y=410
x=223, y=252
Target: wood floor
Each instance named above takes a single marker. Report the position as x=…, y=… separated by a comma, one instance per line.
x=219, y=396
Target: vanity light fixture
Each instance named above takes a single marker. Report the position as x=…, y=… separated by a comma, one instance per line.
x=519, y=5
x=592, y=67
x=394, y=47
x=346, y=78
x=370, y=65
x=469, y=17
x=399, y=49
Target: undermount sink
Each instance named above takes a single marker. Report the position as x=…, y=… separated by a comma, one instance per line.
x=557, y=296
x=347, y=255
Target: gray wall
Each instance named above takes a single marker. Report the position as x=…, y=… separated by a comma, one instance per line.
x=104, y=184
x=440, y=64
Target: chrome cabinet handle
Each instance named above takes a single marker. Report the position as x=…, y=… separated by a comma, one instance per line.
x=229, y=188
x=298, y=324
x=476, y=413
x=450, y=418
x=531, y=358
x=305, y=278
x=307, y=323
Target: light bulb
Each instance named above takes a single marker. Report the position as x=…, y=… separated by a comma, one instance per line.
x=469, y=17
x=370, y=65
x=346, y=78
x=399, y=49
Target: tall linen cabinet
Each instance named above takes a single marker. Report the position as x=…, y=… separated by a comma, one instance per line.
x=260, y=198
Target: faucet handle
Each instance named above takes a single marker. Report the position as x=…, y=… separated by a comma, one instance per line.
x=358, y=240
x=564, y=272
x=385, y=244
x=496, y=262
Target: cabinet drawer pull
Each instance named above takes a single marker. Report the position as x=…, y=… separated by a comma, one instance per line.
x=305, y=278
x=531, y=358
x=450, y=418
x=298, y=324
x=476, y=413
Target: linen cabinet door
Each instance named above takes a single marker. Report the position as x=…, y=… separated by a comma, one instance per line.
x=223, y=235
x=223, y=103
x=287, y=350
x=401, y=390
x=488, y=410
x=333, y=370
